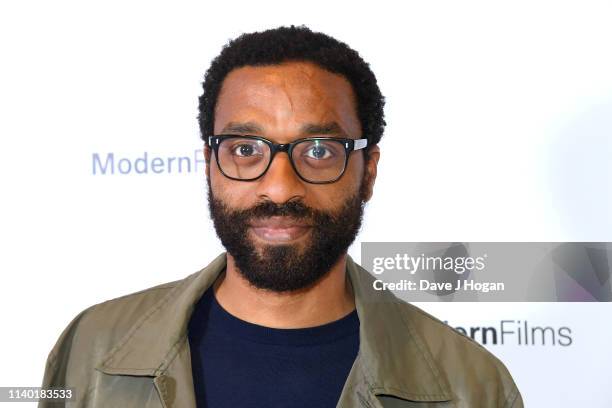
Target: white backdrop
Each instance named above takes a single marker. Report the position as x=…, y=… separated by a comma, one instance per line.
x=499, y=129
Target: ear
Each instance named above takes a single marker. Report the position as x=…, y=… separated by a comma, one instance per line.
x=370, y=169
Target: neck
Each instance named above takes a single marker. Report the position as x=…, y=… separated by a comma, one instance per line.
x=329, y=299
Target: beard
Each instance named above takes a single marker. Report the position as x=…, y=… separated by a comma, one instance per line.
x=287, y=267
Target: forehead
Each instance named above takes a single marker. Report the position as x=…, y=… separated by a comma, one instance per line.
x=284, y=97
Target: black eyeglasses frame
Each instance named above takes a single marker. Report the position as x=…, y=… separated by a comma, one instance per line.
x=350, y=145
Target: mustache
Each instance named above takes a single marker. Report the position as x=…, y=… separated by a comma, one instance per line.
x=293, y=209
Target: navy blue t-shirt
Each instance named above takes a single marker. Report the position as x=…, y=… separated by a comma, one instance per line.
x=241, y=364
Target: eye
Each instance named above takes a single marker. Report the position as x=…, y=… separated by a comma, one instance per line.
x=245, y=149
x=318, y=152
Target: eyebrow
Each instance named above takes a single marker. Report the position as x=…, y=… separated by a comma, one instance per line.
x=309, y=129
x=329, y=128
x=246, y=127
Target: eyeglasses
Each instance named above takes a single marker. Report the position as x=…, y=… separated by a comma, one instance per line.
x=317, y=160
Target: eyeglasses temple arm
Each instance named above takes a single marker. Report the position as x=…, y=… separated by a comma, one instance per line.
x=360, y=144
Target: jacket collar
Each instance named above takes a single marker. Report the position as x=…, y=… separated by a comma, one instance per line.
x=393, y=359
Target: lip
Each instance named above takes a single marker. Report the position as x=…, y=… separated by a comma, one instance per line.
x=279, y=229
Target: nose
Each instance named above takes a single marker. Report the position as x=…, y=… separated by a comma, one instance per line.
x=280, y=184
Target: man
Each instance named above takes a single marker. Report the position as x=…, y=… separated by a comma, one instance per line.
x=291, y=120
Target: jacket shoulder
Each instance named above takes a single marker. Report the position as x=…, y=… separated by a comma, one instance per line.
x=467, y=366
x=120, y=313
x=91, y=332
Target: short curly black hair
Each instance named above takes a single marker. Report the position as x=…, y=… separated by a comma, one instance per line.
x=293, y=43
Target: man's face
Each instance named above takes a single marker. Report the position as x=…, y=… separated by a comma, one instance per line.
x=284, y=233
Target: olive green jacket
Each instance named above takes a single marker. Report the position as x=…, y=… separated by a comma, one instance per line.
x=133, y=351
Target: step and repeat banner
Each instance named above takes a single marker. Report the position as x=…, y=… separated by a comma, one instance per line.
x=492, y=209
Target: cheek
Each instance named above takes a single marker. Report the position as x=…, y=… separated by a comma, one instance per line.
x=219, y=184
x=236, y=194
x=354, y=172
x=331, y=195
